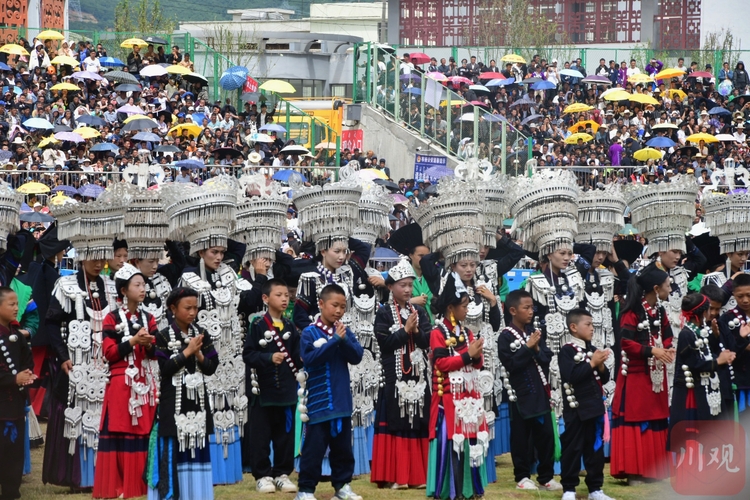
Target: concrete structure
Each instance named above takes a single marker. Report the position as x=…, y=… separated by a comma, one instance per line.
x=30, y=15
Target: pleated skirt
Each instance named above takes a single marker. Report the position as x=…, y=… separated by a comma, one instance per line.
x=226, y=469
x=178, y=475
x=398, y=456
x=120, y=463
x=639, y=449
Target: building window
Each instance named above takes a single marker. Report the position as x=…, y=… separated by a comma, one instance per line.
x=341, y=90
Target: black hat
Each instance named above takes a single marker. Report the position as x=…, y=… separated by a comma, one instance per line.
x=628, y=250
x=406, y=239
x=710, y=247
x=49, y=245
x=118, y=244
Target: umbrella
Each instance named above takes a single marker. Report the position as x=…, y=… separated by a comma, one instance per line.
x=628, y=230
x=438, y=172
x=222, y=152
x=718, y=110
x=572, y=73
x=91, y=120
x=466, y=117
x=121, y=77
x=543, y=85
x=456, y=80
x=664, y=126
x=65, y=61
x=640, y=78
x=676, y=92
x=190, y=164
x=50, y=35
x=647, y=154
x=643, y=99
x=128, y=87
x=256, y=137
x=411, y=76
x=47, y=141
x=192, y=129
x=700, y=74
x=399, y=198
x=494, y=118
x=688, y=151
x=68, y=190
x=232, y=81
x=661, y=142
x=65, y=86
x=137, y=116
x=725, y=137
x=33, y=188
x=87, y=132
x=69, y=136
x=324, y=145
x=454, y=102
x=14, y=49
x=500, y=82
x=133, y=42
x=104, y=146
x=578, y=107
x=285, y=175
x=531, y=79
x=413, y=91
x=522, y=102
x=295, y=149
x=36, y=217
x=707, y=138
x=156, y=40
x=617, y=95
x=4, y=67
x=38, y=123
x=91, y=191
x=513, y=58
x=87, y=75
x=668, y=73
x=419, y=58
x=573, y=138
x=62, y=128
x=195, y=78
x=372, y=174
x=153, y=70
x=275, y=127
x=140, y=124
x=436, y=75
x=167, y=148
x=147, y=136
x=531, y=118
x=111, y=62
x=278, y=86
x=585, y=124
x=389, y=185
x=491, y=75
x=596, y=79
x=168, y=115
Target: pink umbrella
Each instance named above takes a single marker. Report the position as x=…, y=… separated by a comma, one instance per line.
x=129, y=109
x=419, y=58
x=87, y=75
x=399, y=198
x=436, y=75
x=69, y=136
x=479, y=103
x=457, y=80
x=491, y=75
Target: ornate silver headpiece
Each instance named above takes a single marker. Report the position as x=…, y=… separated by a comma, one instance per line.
x=10, y=207
x=327, y=214
x=261, y=215
x=728, y=217
x=402, y=270
x=479, y=173
x=374, y=206
x=600, y=216
x=663, y=212
x=203, y=215
x=127, y=271
x=91, y=227
x=545, y=209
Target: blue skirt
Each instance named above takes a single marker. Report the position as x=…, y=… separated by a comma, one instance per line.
x=88, y=461
x=27, y=446
x=362, y=437
x=226, y=470
x=189, y=479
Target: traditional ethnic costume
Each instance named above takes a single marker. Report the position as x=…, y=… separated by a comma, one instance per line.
x=74, y=325
x=401, y=429
x=130, y=399
x=729, y=326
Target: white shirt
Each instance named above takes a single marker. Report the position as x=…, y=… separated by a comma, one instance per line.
x=633, y=71
x=92, y=65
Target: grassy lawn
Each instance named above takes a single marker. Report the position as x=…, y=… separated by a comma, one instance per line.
x=33, y=489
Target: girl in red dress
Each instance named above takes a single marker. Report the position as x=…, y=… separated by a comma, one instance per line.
x=132, y=392
x=640, y=409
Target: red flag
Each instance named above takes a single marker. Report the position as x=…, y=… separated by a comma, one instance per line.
x=251, y=85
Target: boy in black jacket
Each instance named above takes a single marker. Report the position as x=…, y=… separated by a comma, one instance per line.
x=583, y=373
x=272, y=362
x=526, y=358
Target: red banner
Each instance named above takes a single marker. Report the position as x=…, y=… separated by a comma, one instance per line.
x=251, y=85
x=351, y=139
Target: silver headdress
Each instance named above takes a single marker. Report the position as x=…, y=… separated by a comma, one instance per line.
x=127, y=271
x=329, y=213
x=479, y=172
x=728, y=217
x=203, y=215
x=261, y=215
x=91, y=227
x=663, y=212
x=600, y=216
x=10, y=206
x=402, y=270
x=545, y=209
x=374, y=206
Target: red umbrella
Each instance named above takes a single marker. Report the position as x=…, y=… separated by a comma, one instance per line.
x=419, y=58
x=491, y=75
x=700, y=74
x=456, y=80
x=479, y=103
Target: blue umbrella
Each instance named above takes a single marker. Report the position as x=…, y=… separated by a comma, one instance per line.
x=499, y=82
x=190, y=164
x=38, y=123
x=4, y=67
x=272, y=127
x=413, y=91
x=104, y=146
x=411, y=76
x=438, y=172
x=232, y=81
x=660, y=142
x=718, y=110
x=91, y=191
x=239, y=70
x=66, y=190
x=128, y=87
x=383, y=253
x=543, y=85
x=198, y=118
x=285, y=175
x=92, y=120
x=494, y=118
x=147, y=136
x=111, y=62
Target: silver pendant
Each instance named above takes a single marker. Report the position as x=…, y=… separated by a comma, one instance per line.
x=13, y=338
x=152, y=294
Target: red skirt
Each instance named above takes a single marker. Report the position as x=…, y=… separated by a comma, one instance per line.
x=120, y=463
x=639, y=449
x=400, y=460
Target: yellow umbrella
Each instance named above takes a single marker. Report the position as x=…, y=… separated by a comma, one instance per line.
x=647, y=154
x=64, y=86
x=373, y=173
x=133, y=42
x=278, y=86
x=87, y=132
x=643, y=99
x=513, y=58
x=454, y=102
x=50, y=35
x=192, y=129
x=65, y=60
x=578, y=107
x=640, y=78
x=585, y=124
x=47, y=141
x=14, y=49
x=707, y=138
x=58, y=199
x=618, y=95
x=176, y=69
x=33, y=188
x=677, y=92
x=668, y=73
x=136, y=117
x=573, y=138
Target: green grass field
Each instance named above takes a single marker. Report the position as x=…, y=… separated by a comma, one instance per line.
x=33, y=489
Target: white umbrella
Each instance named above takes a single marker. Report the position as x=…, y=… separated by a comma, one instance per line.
x=467, y=117
x=153, y=70
x=481, y=88
x=295, y=149
x=609, y=91
x=572, y=73
x=258, y=137
x=725, y=137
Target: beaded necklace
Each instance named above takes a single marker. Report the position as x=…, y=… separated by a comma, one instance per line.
x=709, y=381
x=410, y=393
x=141, y=393
x=520, y=340
x=582, y=354
x=654, y=327
x=408, y=348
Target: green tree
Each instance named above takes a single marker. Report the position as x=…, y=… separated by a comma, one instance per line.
x=140, y=19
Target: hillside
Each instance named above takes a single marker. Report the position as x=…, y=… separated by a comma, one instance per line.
x=187, y=10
